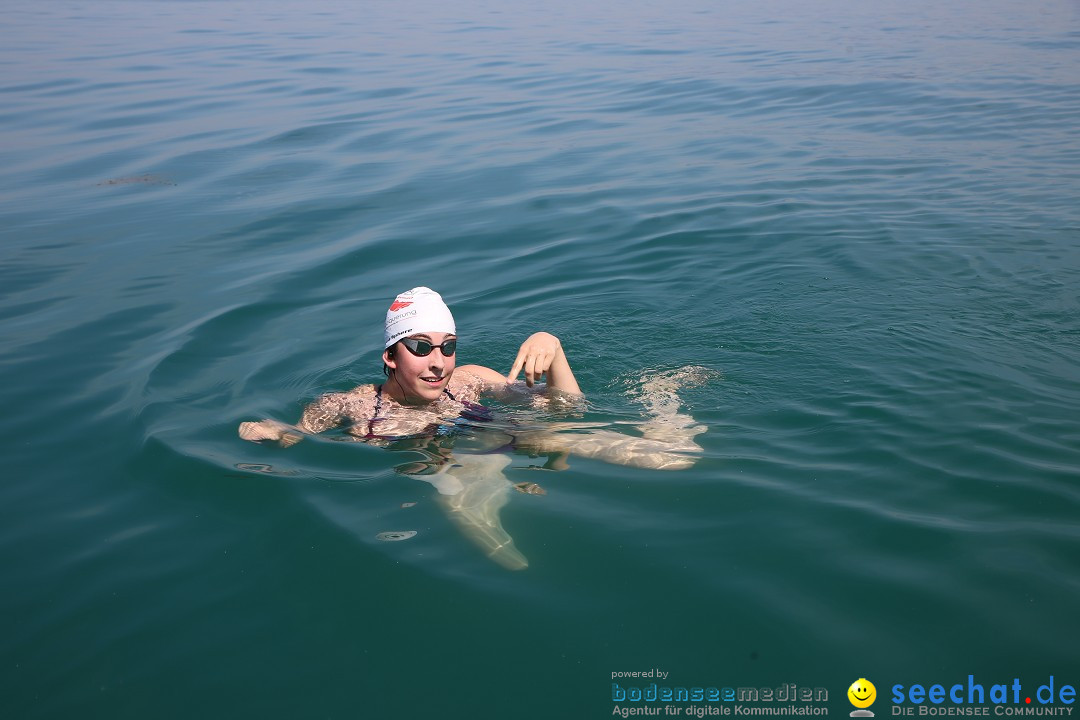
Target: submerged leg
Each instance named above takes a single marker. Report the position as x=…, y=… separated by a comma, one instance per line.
x=667, y=441
x=480, y=490
x=614, y=447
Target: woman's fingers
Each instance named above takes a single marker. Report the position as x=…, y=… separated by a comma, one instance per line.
x=256, y=431
x=537, y=364
x=534, y=359
x=516, y=367
x=250, y=431
x=530, y=370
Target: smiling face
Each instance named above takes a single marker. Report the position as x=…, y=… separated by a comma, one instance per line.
x=862, y=693
x=418, y=380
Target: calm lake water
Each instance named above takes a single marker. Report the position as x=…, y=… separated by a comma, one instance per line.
x=862, y=216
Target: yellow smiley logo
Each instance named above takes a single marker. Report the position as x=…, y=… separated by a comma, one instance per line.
x=862, y=693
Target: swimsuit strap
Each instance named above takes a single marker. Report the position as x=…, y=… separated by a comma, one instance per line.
x=375, y=416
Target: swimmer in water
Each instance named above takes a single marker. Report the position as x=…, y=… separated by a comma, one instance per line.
x=423, y=385
x=424, y=389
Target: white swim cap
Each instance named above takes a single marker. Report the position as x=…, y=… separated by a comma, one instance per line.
x=418, y=310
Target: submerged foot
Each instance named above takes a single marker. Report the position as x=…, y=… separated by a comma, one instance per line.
x=659, y=393
x=659, y=390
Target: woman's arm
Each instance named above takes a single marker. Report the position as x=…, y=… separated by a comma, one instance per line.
x=541, y=354
x=270, y=430
x=323, y=414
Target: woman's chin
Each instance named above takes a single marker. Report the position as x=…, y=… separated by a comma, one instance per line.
x=430, y=391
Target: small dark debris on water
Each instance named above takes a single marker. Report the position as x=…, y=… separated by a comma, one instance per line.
x=147, y=179
x=261, y=468
x=529, y=488
x=255, y=467
x=407, y=505
x=395, y=535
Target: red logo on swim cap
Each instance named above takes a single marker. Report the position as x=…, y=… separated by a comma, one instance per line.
x=399, y=304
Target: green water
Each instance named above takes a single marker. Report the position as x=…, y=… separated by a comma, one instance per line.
x=863, y=216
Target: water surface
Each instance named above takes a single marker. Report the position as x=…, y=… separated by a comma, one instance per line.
x=862, y=215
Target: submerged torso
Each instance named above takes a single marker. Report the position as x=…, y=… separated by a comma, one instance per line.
x=369, y=413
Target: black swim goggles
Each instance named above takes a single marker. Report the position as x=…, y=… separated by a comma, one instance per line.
x=423, y=348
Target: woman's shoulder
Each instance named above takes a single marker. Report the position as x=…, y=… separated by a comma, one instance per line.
x=479, y=373
x=349, y=402
x=357, y=393
x=363, y=391
x=361, y=398
x=465, y=384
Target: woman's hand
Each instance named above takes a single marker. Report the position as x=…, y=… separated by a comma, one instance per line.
x=541, y=354
x=535, y=357
x=269, y=430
